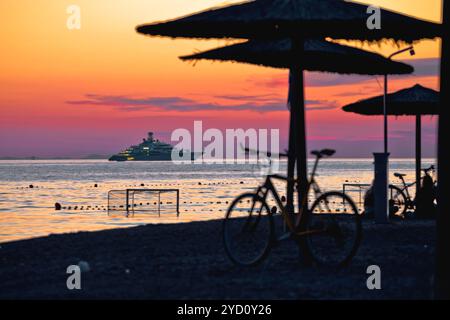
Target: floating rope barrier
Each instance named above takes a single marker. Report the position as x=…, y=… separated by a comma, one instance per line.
x=101, y=207
x=193, y=205
x=96, y=185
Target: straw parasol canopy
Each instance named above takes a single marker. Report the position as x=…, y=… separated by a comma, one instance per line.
x=415, y=101
x=318, y=55
x=280, y=18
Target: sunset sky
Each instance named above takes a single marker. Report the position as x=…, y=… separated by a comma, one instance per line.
x=72, y=93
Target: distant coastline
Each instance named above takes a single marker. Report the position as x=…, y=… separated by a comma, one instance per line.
x=88, y=157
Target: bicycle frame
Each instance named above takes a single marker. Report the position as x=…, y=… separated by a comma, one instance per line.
x=405, y=189
x=406, y=186
x=268, y=186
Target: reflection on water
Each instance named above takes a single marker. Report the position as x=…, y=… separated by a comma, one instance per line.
x=205, y=190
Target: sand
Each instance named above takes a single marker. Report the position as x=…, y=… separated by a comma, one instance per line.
x=187, y=261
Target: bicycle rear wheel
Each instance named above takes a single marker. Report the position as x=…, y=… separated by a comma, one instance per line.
x=332, y=230
x=248, y=230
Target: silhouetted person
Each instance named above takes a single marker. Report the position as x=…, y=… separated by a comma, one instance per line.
x=369, y=203
x=425, y=207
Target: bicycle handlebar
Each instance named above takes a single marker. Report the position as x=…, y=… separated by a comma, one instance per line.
x=318, y=154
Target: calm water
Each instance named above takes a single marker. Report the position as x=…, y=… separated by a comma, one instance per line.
x=205, y=190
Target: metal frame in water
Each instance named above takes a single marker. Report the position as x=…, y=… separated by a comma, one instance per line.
x=127, y=203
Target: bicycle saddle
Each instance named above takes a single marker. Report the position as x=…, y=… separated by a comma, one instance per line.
x=323, y=153
x=399, y=175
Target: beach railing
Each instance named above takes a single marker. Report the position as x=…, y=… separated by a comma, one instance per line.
x=132, y=201
x=356, y=191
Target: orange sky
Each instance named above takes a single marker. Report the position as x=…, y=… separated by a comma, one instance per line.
x=45, y=68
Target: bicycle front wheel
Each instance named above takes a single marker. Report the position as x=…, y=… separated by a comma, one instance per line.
x=397, y=202
x=248, y=230
x=332, y=230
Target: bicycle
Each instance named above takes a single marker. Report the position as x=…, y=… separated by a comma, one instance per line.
x=328, y=233
x=400, y=200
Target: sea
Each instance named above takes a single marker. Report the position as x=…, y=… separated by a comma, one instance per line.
x=91, y=192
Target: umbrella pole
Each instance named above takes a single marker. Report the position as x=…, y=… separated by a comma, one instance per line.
x=291, y=153
x=442, y=278
x=298, y=107
x=418, y=151
x=297, y=137
x=302, y=164
x=385, y=115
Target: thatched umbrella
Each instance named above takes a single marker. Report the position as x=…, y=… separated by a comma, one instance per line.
x=415, y=101
x=318, y=55
x=280, y=18
x=296, y=19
